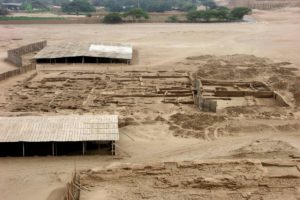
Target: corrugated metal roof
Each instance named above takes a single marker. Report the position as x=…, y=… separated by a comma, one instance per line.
x=100, y=50
x=59, y=128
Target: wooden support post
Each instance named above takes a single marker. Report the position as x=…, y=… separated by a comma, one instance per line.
x=23, y=149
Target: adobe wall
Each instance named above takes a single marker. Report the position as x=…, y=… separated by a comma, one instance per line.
x=15, y=55
x=257, y=94
x=21, y=70
x=204, y=104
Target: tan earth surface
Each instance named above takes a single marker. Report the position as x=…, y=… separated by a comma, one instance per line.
x=152, y=132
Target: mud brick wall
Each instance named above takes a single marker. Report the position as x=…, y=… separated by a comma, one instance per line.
x=257, y=94
x=15, y=55
x=204, y=104
x=207, y=105
x=21, y=70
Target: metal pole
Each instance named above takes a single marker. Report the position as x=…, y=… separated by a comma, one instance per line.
x=83, y=148
x=23, y=149
x=55, y=147
x=53, y=152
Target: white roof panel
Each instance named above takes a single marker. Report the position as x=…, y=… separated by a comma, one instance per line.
x=100, y=50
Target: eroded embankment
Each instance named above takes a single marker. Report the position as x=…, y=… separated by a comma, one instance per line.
x=214, y=179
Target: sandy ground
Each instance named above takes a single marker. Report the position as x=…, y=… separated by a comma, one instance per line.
x=160, y=46
x=275, y=36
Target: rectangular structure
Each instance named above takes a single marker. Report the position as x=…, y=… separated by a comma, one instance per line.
x=36, y=135
x=215, y=93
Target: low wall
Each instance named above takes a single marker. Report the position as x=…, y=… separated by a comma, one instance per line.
x=21, y=70
x=207, y=105
x=15, y=55
x=257, y=94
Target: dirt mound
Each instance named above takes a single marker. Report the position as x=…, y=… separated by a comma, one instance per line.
x=240, y=67
x=199, y=125
x=256, y=128
x=289, y=127
x=126, y=121
x=160, y=119
x=237, y=111
x=198, y=121
x=202, y=57
x=260, y=125
x=258, y=112
x=214, y=179
x=278, y=83
x=235, y=58
x=265, y=148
